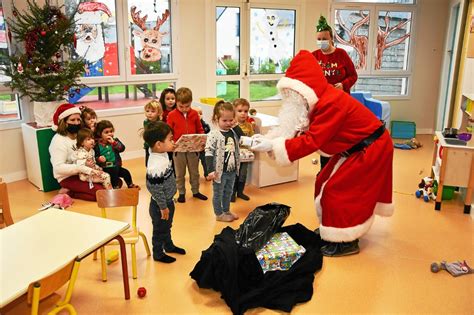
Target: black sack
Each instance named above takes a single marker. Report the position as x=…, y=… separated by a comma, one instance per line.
x=261, y=224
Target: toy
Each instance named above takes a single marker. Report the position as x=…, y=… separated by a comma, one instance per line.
x=413, y=143
x=112, y=256
x=141, y=292
x=60, y=201
x=425, y=189
x=456, y=268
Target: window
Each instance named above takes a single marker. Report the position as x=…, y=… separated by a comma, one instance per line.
x=9, y=105
x=378, y=40
x=251, y=58
x=124, y=44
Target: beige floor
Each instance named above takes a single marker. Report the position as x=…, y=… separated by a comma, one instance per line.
x=390, y=275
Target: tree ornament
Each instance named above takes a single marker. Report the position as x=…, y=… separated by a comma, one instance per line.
x=58, y=55
x=323, y=25
x=78, y=91
x=66, y=88
x=19, y=68
x=43, y=33
x=37, y=69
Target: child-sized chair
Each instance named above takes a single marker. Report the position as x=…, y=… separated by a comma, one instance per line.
x=42, y=292
x=5, y=215
x=114, y=198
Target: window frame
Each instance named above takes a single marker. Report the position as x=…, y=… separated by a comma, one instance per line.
x=374, y=9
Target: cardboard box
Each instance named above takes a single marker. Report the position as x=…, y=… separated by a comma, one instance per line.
x=279, y=253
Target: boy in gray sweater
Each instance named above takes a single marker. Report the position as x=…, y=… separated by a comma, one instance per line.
x=161, y=183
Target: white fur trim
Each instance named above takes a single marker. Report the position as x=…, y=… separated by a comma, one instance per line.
x=349, y=234
x=323, y=153
x=70, y=111
x=298, y=86
x=88, y=17
x=279, y=149
x=384, y=209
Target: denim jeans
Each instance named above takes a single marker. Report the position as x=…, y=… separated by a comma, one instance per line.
x=161, y=228
x=223, y=192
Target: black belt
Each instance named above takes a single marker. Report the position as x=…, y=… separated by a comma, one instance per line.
x=366, y=142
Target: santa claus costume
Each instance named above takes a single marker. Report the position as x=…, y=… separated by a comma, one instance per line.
x=356, y=184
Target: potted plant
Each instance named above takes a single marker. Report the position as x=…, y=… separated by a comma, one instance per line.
x=41, y=65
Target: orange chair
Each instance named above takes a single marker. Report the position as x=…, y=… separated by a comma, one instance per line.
x=40, y=292
x=5, y=215
x=114, y=198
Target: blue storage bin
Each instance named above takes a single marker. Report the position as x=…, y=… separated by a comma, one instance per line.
x=402, y=129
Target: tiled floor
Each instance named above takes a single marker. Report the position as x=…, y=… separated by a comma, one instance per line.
x=390, y=275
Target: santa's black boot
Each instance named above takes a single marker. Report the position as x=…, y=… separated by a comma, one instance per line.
x=240, y=191
x=340, y=249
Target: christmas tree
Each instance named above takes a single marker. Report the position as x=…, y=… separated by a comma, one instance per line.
x=43, y=68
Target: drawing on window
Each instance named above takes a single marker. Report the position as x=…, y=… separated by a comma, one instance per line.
x=352, y=31
x=151, y=40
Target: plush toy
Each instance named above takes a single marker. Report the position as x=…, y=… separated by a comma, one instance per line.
x=60, y=201
x=413, y=143
x=425, y=189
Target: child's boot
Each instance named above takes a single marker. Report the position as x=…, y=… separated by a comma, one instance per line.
x=240, y=191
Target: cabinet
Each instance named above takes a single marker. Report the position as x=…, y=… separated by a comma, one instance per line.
x=38, y=165
x=453, y=166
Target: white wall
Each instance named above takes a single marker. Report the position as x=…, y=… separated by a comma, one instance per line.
x=193, y=70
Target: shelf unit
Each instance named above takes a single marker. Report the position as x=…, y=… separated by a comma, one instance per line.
x=455, y=168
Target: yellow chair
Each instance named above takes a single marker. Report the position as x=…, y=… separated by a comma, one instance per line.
x=40, y=292
x=5, y=215
x=114, y=198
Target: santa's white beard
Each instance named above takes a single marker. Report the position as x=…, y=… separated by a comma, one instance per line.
x=293, y=116
x=93, y=51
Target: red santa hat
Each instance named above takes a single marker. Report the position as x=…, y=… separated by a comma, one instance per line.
x=91, y=13
x=62, y=112
x=304, y=75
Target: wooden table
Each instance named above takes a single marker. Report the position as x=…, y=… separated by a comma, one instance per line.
x=44, y=243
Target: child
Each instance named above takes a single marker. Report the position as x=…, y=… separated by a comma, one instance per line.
x=89, y=118
x=222, y=159
x=207, y=128
x=153, y=112
x=185, y=120
x=84, y=155
x=107, y=154
x=242, y=106
x=161, y=184
x=168, y=101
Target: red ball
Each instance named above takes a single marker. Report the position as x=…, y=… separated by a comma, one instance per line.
x=141, y=292
x=43, y=33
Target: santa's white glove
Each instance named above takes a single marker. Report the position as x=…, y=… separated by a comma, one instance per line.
x=261, y=144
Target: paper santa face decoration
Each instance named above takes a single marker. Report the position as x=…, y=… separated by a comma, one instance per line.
x=90, y=40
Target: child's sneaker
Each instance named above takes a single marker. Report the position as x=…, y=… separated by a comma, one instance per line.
x=225, y=217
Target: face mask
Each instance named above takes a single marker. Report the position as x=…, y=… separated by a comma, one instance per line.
x=73, y=128
x=323, y=44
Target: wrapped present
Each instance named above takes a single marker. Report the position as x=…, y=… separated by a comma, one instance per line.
x=279, y=253
x=246, y=155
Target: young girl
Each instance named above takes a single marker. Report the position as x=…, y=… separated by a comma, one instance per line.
x=153, y=112
x=168, y=101
x=242, y=106
x=84, y=155
x=107, y=154
x=222, y=159
x=89, y=118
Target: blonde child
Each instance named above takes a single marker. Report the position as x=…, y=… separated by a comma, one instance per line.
x=84, y=155
x=107, y=154
x=185, y=120
x=89, y=118
x=222, y=159
x=242, y=106
x=168, y=101
x=161, y=184
x=153, y=112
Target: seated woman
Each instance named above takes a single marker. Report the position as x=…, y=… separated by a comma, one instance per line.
x=66, y=123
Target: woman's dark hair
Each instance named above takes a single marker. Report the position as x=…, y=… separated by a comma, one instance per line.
x=163, y=94
x=156, y=131
x=82, y=135
x=101, y=125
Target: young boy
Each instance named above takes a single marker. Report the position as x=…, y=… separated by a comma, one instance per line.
x=161, y=184
x=185, y=120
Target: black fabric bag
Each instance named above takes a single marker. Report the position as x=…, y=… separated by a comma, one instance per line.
x=236, y=273
x=261, y=224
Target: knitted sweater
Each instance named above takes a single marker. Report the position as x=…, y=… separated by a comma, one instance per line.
x=61, y=150
x=160, y=180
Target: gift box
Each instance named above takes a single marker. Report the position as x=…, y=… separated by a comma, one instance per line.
x=246, y=155
x=279, y=253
